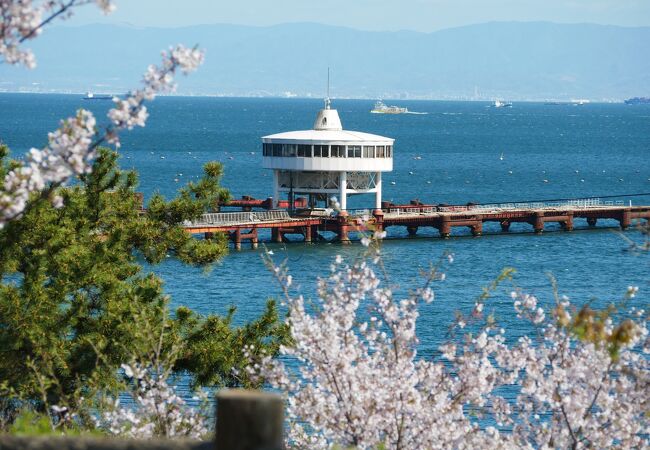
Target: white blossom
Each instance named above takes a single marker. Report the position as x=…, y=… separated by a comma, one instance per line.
x=22, y=20
x=157, y=410
x=71, y=148
x=361, y=384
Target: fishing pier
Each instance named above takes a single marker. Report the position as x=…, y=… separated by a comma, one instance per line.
x=309, y=224
x=315, y=170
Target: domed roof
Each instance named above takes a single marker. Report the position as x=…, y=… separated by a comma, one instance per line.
x=328, y=127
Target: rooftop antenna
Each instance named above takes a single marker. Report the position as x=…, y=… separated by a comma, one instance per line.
x=327, y=99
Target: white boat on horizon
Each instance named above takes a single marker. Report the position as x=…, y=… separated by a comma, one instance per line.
x=381, y=108
x=501, y=104
x=91, y=96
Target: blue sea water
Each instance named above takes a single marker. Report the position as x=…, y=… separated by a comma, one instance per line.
x=587, y=150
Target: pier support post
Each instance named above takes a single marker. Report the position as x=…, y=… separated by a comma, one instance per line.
x=477, y=228
x=591, y=221
x=307, y=234
x=505, y=226
x=538, y=222
x=445, y=227
x=625, y=220
x=343, y=227
x=412, y=231
x=236, y=237
x=567, y=225
x=254, y=238
x=379, y=220
x=276, y=189
x=276, y=235
x=208, y=235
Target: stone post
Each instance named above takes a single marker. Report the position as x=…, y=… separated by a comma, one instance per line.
x=249, y=420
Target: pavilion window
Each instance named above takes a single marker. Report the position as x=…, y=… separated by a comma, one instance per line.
x=354, y=151
x=389, y=151
x=277, y=149
x=368, y=151
x=338, y=151
x=380, y=151
x=289, y=150
x=321, y=151
x=304, y=150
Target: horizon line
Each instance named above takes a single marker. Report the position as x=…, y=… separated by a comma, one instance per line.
x=307, y=22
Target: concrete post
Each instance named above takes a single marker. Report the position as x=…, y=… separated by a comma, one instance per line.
x=237, y=239
x=343, y=190
x=249, y=420
x=379, y=219
x=538, y=222
x=626, y=220
x=445, y=227
x=308, y=237
x=254, y=239
x=343, y=227
x=477, y=228
x=567, y=225
x=276, y=188
x=378, y=190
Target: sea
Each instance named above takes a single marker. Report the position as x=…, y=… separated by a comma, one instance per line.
x=457, y=152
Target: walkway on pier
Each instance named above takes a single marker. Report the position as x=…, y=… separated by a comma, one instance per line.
x=236, y=224
x=244, y=226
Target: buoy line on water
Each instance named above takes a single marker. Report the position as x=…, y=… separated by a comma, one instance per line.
x=639, y=194
x=592, y=197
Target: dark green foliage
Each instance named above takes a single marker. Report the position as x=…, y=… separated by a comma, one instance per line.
x=75, y=304
x=213, y=347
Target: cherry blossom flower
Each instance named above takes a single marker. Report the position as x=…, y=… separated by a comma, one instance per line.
x=157, y=409
x=21, y=20
x=71, y=148
x=582, y=383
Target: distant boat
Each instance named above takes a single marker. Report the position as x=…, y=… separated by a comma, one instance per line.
x=381, y=108
x=579, y=102
x=500, y=104
x=637, y=100
x=91, y=96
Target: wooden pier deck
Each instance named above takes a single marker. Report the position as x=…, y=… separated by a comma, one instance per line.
x=245, y=225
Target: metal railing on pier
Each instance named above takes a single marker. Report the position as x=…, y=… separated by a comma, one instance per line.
x=240, y=218
x=482, y=208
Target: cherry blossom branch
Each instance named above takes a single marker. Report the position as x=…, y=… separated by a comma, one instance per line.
x=34, y=31
x=361, y=384
x=71, y=148
x=23, y=20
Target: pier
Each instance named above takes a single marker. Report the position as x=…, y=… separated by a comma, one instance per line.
x=244, y=226
x=310, y=167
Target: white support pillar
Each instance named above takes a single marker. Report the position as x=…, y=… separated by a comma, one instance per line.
x=378, y=190
x=343, y=190
x=276, y=188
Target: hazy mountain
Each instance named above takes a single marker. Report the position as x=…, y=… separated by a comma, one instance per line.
x=508, y=60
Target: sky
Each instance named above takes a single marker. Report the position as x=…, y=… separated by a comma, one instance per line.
x=376, y=15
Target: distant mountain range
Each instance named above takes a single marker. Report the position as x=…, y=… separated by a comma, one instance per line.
x=513, y=61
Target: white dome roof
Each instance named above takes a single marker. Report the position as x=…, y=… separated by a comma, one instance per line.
x=311, y=136
x=327, y=128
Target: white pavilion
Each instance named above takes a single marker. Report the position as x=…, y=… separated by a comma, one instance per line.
x=327, y=161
